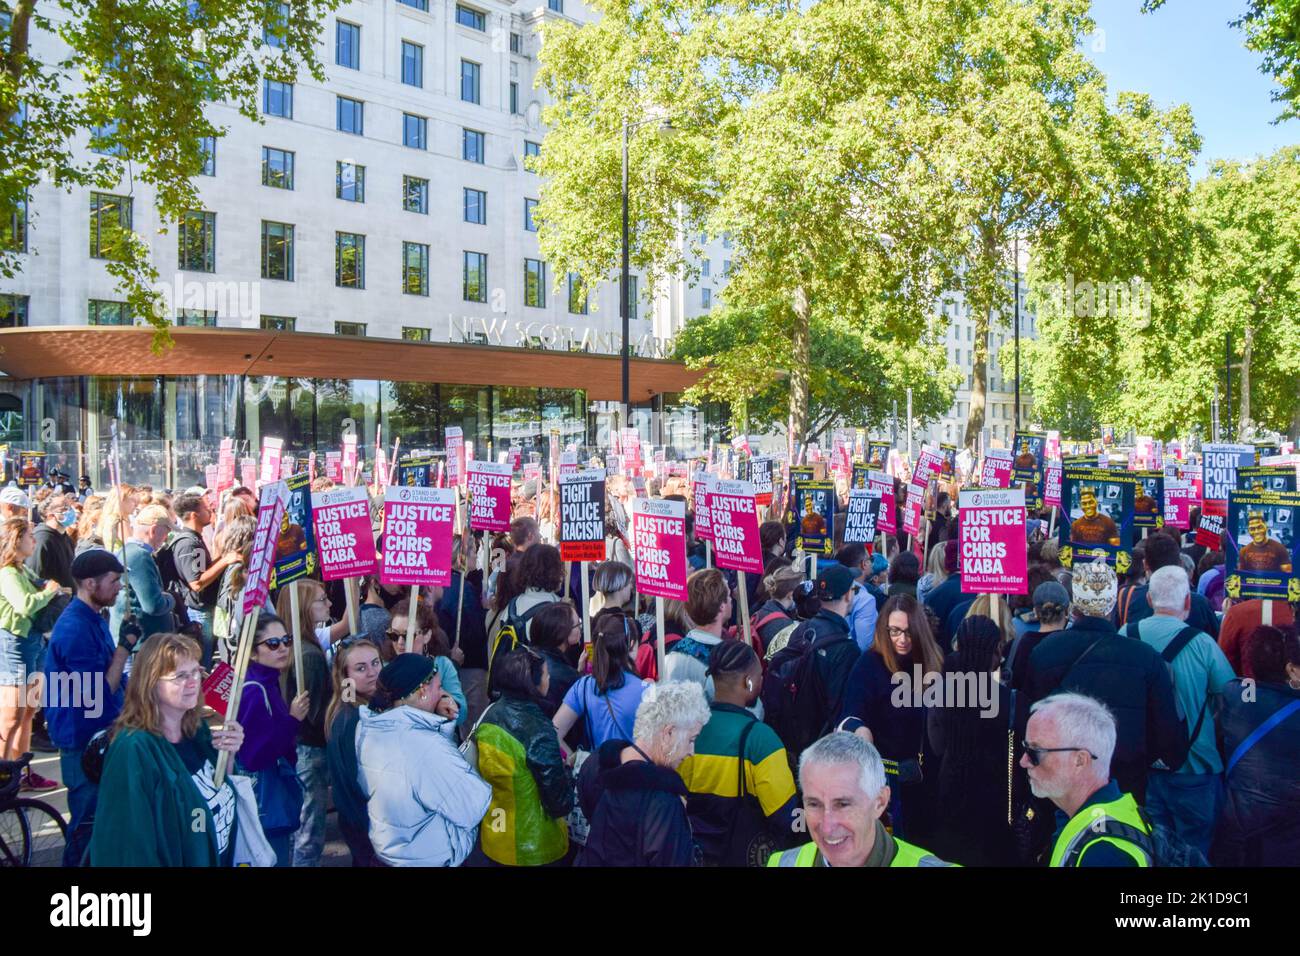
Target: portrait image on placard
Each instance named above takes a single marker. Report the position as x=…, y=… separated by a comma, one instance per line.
x=415, y=472
x=1098, y=520
x=1028, y=448
x=1266, y=478
x=1263, y=546
x=861, y=476
x=1148, y=500
x=295, y=551
x=815, y=516
x=877, y=455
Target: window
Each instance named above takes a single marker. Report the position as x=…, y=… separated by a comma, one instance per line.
x=277, y=168
x=208, y=144
x=473, y=146
x=99, y=312
x=277, y=98
x=412, y=334
x=278, y=323
x=110, y=216
x=412, y=63
x=577, y=295
x=514, y=98
x=415, y=194
x=726, y=240
x=13, y=232
x=556, y=5
x=706, y=298
x=475, y=206
x=350, y=328
x=100, y=137
x=349, y=260
x=415, y=130
x=529, y=206
x=347, y=44
x=473, y=19
x=469, y=81
x=516, y=43
x=631, y=296
x=705, y=268
x=196, y=317
x=197, y=242
x=531, y=149
x=273, y=32
x=415, y=268
x=13, y=310
x=535, y=283
x=277, y=250
x=350, y=182
x=726, y=267
x=475, y=276
x=351, y=116
x=417, y=4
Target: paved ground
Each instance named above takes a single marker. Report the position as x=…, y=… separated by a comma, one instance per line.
x=47, y=765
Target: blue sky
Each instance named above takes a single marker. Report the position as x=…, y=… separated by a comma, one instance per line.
x=1185, y=52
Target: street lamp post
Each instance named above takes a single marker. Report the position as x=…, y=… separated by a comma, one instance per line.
x=1016, y=253
x=624, y=281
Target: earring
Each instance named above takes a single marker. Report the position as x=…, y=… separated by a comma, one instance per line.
x=749, y=685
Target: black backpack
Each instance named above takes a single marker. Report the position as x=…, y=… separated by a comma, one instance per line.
x=795, y=702
x=1171, y=651
x=1162, y=845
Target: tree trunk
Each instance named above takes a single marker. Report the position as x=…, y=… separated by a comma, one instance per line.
x=800, y=359
x=1247, y=344
x=975, y=421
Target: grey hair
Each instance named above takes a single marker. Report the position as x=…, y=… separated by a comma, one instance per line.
x=843, y=748
x=1188, y=565
x=1083, y=722
x=1168, y=588
x=610, y=576
x=674, y=704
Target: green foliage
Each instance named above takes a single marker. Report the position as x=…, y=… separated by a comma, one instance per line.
x=141, y=73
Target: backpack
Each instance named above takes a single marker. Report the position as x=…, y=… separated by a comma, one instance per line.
x=794, y=697
x=1163, y=845
x=689, y=645
x=512, y=632
x=1171, y=651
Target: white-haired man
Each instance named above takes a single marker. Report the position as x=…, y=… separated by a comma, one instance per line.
x=1186, y=799
x=844, y=795
x=1068, y=746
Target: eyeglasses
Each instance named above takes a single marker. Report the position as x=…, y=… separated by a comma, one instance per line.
x=899, y=631
x=394, y=635
x=196, y=676
x=1036, y=753
x=275, y=643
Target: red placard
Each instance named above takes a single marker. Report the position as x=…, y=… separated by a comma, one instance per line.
x=270, y=512
x=417, y=536
x=734, y=518
x=216, y=689
x=1210, y=531
x=659, y=547
x=994, y=550
x=345, y=539
x=489, y=496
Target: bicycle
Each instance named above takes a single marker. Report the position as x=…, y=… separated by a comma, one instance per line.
x=32, y=833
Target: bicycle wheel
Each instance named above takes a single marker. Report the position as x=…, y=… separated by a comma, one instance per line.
x=15, y=837
x=48, y=830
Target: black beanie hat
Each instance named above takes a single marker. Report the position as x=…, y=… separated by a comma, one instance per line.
x=404, y=674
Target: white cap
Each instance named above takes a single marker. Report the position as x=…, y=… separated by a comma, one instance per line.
x=13, y=495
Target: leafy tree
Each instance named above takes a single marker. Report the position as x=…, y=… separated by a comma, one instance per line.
x=130, y=79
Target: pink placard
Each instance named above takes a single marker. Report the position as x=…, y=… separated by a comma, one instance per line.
x=270, y=512
x=334, y=466
x=226, y=465
x=349, y=460
x=287, y=466
x=568, y=463
x=733, y=515
x=1178, y=503
x=272, y=449
x=210, y=473
x=417, y=536
x=927, y=467
x=489, y=496
x=1052, y=486
x=248, y=473
x=659, y=547
x=700, y=495
x=997, y=468
x=888, y=520
x=912, y=509
x=994, y=552
x=455, y=456
x=345, y=539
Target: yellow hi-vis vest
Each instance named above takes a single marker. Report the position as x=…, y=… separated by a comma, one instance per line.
x=905, y=855
x=1118, y=823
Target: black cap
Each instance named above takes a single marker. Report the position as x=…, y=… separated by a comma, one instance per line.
x=404, y=674
x=835, y=582
x=93, y=563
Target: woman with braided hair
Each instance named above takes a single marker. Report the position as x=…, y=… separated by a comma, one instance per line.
x=970, y=734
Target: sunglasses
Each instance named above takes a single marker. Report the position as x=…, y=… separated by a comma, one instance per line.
x=1036, y=753
x=396, y=635
x=275, y=643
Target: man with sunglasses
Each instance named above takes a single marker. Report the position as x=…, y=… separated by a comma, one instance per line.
x=1067, y=749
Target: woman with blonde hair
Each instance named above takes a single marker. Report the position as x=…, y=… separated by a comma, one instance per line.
x=115, y=517
x=22, y=597
x=158, y=804
x=996, y=609
x=935, y=572
x=86, y=532
x=355, y=677
x=777, y=613
x=236, y=540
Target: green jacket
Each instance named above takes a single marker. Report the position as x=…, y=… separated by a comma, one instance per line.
x=532, y=790
x=20, y=599
x=148, y=807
